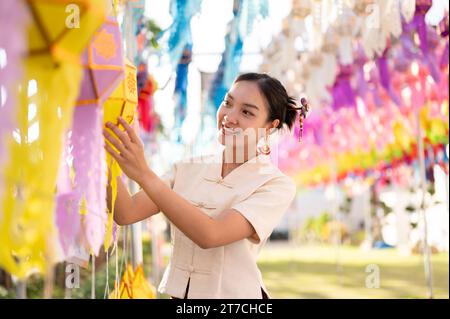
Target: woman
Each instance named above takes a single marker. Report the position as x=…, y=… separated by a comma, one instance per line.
x=222, y=208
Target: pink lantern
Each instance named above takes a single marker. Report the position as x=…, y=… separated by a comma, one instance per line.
x=104, y=65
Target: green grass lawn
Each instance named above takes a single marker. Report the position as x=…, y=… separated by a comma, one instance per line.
x=302, y=272
x=311, y=272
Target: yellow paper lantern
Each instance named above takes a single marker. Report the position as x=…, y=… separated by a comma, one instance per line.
x=133, y=286
x=61, y=29
x=53, y=69
x=27, y=226
x=122, y=102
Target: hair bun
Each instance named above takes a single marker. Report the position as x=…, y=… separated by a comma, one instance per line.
x=291, y=112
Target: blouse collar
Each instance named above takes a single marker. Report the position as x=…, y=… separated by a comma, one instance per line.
x=260, y=164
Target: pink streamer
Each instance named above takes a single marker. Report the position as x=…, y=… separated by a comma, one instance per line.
x=67, y=217
x=90, y=172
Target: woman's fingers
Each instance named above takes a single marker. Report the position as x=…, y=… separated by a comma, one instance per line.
x=113, y=153
x=131, y=133
x=122, y=136
x=114, y=141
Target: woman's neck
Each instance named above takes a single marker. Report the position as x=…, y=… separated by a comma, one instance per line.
x=232, y=159
x=238, y=157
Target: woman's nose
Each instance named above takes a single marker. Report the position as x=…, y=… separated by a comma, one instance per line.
x=230, y=117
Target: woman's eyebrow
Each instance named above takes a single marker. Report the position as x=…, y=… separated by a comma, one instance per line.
x=228, y=95
x=251, y=105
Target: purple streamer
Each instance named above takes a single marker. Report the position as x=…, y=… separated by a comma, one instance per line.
x=444, y=57
x=90, y=172
x=361, y=87
x=67, y=216
x=385, y=78
x=343, y=94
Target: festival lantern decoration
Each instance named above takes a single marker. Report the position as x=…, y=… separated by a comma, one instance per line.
x=131, y=26
x=62, y=28
x=122, y=102
x=133, y=285
x=145, y=104
x=34, y=157
x=12, y=40
x=47, y=96
x=244, y=16
x=103, y=63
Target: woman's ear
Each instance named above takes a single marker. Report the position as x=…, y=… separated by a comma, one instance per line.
x=274, y=125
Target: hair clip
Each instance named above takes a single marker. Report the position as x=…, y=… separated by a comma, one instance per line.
x=304, y=109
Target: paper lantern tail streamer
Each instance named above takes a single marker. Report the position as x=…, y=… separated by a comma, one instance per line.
x=343, y=93
x=14, y=47
x=444, y=57
x=67, y=216
x=245, y=13
x=27, y=228
x=131, y=26
x=180, y=30
x=90, y=173
x=233, y=52
x=181, y=83
x=145, y=105
x=145, y=110
x=385, y=78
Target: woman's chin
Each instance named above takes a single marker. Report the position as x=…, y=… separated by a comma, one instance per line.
x=220, y=138
x=225, y=140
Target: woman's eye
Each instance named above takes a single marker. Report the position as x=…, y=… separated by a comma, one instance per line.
x=226, y=103
x=248, y=113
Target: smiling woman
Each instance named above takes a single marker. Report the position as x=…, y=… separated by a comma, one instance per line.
x=223, y=207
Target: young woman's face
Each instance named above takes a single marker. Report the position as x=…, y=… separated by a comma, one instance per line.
x=242, y=116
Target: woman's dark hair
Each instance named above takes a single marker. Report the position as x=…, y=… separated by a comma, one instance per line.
x=281, y=105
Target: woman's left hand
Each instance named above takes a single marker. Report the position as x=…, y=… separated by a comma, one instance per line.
x=130, y=150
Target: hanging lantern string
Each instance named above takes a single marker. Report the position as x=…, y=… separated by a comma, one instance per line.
x=106, y=292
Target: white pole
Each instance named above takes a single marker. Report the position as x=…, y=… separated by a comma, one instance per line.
x=93, y=277
x=21, y=289
x=426, y=248
x=368, y=241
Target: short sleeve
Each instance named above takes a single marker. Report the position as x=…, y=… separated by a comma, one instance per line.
x=169, y=177
x=265, y=207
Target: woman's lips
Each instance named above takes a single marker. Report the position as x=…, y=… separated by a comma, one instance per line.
x=229, y=131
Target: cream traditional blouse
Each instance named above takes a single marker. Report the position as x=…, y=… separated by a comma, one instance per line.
x=259, y=191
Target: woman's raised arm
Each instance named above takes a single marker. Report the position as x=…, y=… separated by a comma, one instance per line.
x=130, y=209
